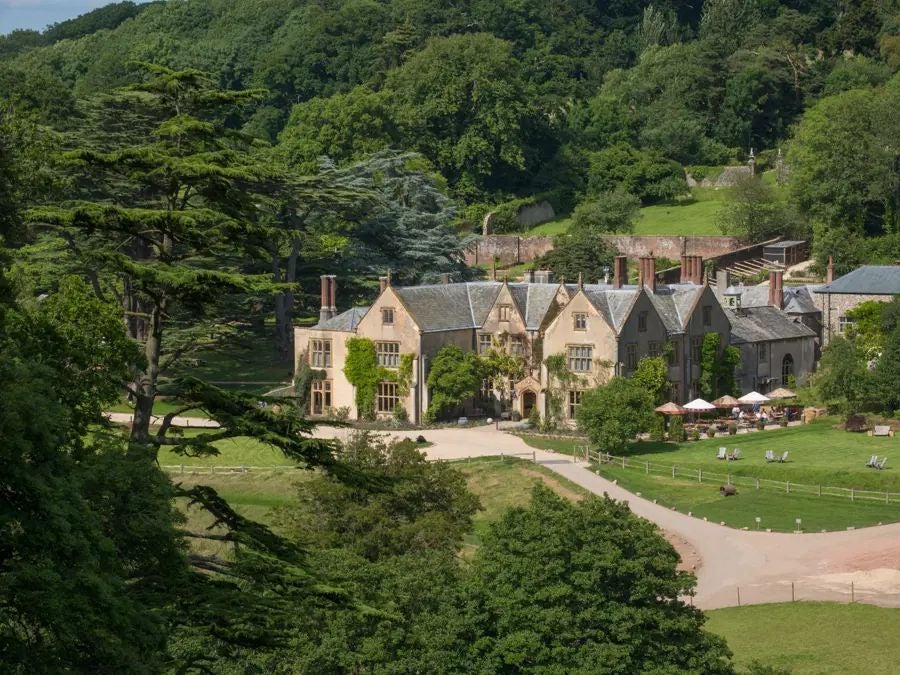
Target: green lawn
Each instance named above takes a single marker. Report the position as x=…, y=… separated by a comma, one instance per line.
x=240, y=451
x=693, y=215
x=777, y=510
x=819, y=454
x=812, y=637
x=160, y=407
x=552, y=228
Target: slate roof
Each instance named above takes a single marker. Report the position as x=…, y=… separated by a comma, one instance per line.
x=612, y=303
x=345, y=321
x=674, y=302
x=447, y=306
x=796, y=299
x=867, y=280
x=763, y=324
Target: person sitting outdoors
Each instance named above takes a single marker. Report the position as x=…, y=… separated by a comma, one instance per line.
x=735, y=412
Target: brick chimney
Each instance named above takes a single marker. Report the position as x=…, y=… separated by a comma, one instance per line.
x=326, y=308
x=383, y=282
x=620, y=271
x=647, y=272
x=332, y=294
x=776, y=289
x=691, y=269
x=685, y=269
x=829, y=274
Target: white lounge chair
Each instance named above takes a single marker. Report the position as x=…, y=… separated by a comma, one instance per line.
x=783, y=457
x=881, y=464
x=873, y=461
x=723, y=453
x=770, y=456
x=736, y=454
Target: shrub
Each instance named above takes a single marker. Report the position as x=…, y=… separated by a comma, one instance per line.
x=515, y=416
x=534, y=417
x=760, y=425
x=676, y=430
x=783, y=421
x=658, y=428
x=695, y=434
x=399, y=414
x=710, y=431
x=732, y=428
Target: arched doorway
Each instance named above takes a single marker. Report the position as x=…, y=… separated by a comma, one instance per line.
x=787, y=369
x=529, y=401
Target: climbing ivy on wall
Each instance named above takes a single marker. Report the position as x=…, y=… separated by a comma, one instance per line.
x=717, y=370
x=363, y=371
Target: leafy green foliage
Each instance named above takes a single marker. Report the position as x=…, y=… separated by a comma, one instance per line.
x=414, y=505
x=532, y=604
x=652, y=375
x=753, y=212
x=453, y=378
x=579, y=252
x=717, y=364
x=609, y=212
x=613, y=414
x=646, y=174
x=842, y=377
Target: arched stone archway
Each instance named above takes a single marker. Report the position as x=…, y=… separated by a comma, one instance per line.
x=787, y=369
x=529, y=401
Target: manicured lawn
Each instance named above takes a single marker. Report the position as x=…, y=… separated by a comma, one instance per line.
x=160, y=407
x=812, y=637
x=693, y=215
x=818, y=454
x=552, y=228
x=564, y=446
x=777, y=510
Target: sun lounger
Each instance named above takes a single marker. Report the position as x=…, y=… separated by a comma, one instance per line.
x=736, y=454
x=881, y=464
x=783, y=457
x=770, y=456
x=873, y=461
x=722, y=453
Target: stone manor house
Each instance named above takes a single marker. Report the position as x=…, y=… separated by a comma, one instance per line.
x=600, y=330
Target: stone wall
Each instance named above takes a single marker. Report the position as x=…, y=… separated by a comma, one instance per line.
x=511, y=249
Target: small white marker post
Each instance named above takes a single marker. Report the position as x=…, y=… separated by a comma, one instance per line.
x=798, y=521
x=758, y=520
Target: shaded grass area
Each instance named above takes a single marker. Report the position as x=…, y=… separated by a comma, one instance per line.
x=777, y=510
x=812, y=637
x=240, y=451
x=160, y=407
x=564, y=446
x=691, y=215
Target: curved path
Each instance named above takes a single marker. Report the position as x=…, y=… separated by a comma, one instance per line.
x=736, y=566
x=762, y=565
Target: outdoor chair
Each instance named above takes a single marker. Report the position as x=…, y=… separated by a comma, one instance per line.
x=722, y=453
x=881, y=464
x=783, y=457
x=882, y=431
x=736, y=454
x=770, y=456
x=873, y=461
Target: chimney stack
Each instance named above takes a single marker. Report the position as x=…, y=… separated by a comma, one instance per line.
x=620, y=271
x=776, y=291
x=829, y=274
x=383, y=282
x=332, y=294
x=685, y=269
x=326, y=306
x=647, y=272
x=528, y=276
x=445, y=278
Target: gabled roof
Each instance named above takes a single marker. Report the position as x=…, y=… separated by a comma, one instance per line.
x=345, y=321
x=796, y=299
x=674, y=303
x=613, y=304
x=867, y=280
x=763, y=324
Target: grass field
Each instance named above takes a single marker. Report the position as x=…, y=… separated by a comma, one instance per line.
x=240, y=451
x=818, y=455
x=160, y=407
x=812, y=637
x=693, y=215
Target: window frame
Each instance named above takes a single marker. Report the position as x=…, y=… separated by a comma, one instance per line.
x=654, y=348
x=387, y=353
x=696, y=349
x=382, y=397
x=573, y=402
x=504, y=312
x=516, y=345
x=631, y=357
x=325, y=390
x=579, y=358
x=707, y=315
x=320, y=353
x=762, y=352
x=485, y=342
x=385, y=313
x=579, y=317
x=642, y=321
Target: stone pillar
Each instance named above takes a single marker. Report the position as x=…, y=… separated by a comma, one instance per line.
x=647, y=272
x=325, y=311
x=332, y=294
x=778, y=292
x=829, y=274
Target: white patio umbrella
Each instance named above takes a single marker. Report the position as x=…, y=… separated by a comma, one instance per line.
x=753, y=397
x=699, y=405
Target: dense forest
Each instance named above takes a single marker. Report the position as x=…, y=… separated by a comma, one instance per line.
x=172, y=173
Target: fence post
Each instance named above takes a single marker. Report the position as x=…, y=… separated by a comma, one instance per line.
x=534, y=456
x=852, y=592
x=673, y=471
x=739, y=595
x=792, y=591
x=757, y=483
x=212, y=470
x=623, y=462
x=886, y=497
x=819, y=490
x=851, y=494
x=182, y=470
x=647, y=467
x=699, y=475
x=787, y=486
x=728, y=479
